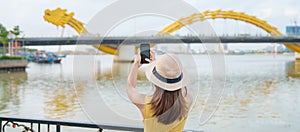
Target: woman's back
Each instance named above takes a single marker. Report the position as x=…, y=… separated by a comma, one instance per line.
x=151, y=123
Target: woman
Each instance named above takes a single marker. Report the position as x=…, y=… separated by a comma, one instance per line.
x=166, y=110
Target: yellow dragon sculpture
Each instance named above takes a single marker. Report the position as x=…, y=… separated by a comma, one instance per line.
x=59, y=17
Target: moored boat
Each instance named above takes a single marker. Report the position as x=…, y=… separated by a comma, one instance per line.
x=43, y=57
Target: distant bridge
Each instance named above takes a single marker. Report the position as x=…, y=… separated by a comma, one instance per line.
x=60, y=17
x=115, y=41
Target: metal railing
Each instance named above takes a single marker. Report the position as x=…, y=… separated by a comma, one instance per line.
x=15, y=122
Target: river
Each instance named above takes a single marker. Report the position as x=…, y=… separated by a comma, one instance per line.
x=261, y=92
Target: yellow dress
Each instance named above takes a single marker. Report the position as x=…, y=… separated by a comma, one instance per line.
x=152, y=125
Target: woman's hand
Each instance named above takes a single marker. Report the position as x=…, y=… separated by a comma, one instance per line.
x=152, y=56
x=137, y=60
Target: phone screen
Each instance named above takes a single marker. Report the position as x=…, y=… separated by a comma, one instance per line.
x=144, y=52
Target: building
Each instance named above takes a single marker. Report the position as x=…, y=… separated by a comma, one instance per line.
x=292, y=30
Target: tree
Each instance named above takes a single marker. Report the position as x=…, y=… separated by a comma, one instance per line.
x=16, y=31
x=3, y=37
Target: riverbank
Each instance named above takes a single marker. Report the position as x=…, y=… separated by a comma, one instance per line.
x=12, y=64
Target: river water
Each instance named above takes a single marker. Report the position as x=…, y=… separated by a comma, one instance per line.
x=261, y=92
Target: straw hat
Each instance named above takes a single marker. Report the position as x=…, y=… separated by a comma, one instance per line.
x=167, y=73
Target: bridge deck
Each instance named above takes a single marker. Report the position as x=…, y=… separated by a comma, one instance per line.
x=113, y=41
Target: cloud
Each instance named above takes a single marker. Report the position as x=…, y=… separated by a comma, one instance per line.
x=291, y=12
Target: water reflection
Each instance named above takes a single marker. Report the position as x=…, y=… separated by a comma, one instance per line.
x=52, y=90
x=293, y=69
x=119, y=70
x=118, y=73
x=10, y=89
x=61, y=101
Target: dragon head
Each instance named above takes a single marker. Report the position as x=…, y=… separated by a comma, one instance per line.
x=58, y=17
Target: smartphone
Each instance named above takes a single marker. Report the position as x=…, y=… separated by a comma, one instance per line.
x=144, y=52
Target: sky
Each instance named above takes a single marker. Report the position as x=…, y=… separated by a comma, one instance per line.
x=28, y=14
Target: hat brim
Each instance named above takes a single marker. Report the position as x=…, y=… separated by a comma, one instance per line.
x=164, y=85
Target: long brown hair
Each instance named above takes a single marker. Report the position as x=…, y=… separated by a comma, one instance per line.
x=168, y=106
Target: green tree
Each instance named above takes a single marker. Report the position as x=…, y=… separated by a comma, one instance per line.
x=16, y=31
x=3, y=37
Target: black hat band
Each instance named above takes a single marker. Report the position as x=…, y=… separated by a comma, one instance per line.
x=166, y=80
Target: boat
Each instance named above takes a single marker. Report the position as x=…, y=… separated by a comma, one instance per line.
x=47, y=60
x=62, y=56
x=29, y=57
x=43, y=57
x=57, y=61
x=56, y=58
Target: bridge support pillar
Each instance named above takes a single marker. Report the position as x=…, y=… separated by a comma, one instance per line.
x=125, y=53
x=297, y=56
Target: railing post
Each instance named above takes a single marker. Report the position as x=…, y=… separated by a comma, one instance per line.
x=39, y=127
x=0, y=125
x=48, y=127
x=58, y=128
